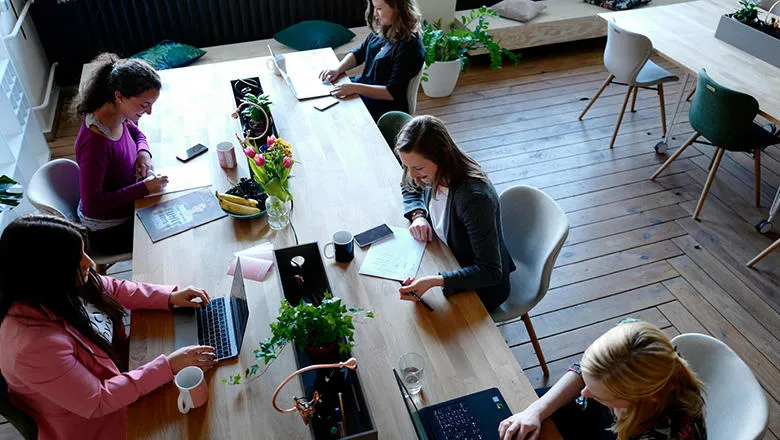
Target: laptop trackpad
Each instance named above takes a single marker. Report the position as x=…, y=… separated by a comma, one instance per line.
x=185, y=327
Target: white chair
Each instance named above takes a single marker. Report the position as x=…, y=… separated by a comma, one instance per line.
x=54, y=190
x=735, y=404
x=627, y=58
x=411, y=90
x=534, y=228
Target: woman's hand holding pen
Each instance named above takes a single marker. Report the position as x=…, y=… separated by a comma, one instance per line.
x=419, y=286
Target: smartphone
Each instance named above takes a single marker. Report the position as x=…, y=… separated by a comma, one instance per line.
x=373, y=235
x=192, y=152
x=325, y=104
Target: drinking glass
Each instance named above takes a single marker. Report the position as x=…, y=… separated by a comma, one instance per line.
x=411, y=366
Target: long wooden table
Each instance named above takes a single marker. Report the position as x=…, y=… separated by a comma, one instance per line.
x=347, y=179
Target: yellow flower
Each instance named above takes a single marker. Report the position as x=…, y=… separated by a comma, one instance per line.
x=287, y=152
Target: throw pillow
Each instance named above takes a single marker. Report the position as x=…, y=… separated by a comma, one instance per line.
x=519, y=10
x=617, y=5
x=170, y=54
x=314, y=34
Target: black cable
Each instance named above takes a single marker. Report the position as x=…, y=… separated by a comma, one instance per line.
x=292, y=206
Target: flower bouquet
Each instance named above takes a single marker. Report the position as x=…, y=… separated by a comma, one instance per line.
x=271, y=165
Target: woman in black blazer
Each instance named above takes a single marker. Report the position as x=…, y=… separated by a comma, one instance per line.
x=465, y=213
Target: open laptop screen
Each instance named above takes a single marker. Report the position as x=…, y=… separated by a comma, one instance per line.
x=414, y=414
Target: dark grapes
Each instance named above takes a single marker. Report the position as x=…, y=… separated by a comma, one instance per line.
x=249, y=189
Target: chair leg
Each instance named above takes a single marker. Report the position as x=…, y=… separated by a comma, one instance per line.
x=708, y=184
x=764, y=253
x=676, y=153
x=712, y=160
x=663, y=108
x=758, y=177
x=603, y=86
x=633, y=100
x=535, y=342
x=620, y=117
x=690, y=95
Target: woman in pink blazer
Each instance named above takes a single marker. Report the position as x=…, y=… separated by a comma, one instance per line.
x=58, y=319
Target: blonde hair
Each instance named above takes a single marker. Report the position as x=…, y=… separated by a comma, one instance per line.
x=427, y=136
x=637, y=362
x=406, y=23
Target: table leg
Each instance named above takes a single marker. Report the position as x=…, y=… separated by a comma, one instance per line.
x=662, y=146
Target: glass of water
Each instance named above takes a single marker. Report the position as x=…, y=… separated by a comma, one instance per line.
x=411, y=366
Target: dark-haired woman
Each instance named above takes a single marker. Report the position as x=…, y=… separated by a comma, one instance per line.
x=113, y=155
x=393, y=54
x=57, y=330
x=446, y=194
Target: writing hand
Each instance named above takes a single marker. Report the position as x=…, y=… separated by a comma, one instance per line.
x=155, y=184
x=419, y=286
x=143, y=164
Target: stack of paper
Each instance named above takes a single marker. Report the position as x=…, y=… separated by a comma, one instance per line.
x=255, y=261
x=184, y=177
x=396, y=258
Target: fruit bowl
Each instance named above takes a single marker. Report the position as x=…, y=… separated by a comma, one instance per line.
x=245, y=217
x=245, y=188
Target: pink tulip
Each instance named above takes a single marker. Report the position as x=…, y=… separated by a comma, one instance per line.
x=271, y=139
x=250, y=152
x=287, y=162
x=260, y=160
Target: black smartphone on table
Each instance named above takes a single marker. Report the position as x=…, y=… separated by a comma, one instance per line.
x=192, y=152
x=373, y=235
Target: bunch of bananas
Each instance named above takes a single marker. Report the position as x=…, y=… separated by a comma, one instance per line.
x=237, y=205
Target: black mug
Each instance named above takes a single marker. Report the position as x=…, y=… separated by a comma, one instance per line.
x=343, y=247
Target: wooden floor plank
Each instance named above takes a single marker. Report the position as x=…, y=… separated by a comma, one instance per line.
x=631, y=206
x=681, y=318
x=624, y=224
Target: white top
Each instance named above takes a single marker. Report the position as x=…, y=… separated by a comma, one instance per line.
x=100, y=322
x=437, y=208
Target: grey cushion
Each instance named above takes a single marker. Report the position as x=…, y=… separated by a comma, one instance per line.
x=519, y=10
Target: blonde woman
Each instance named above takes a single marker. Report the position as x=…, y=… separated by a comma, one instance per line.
x=632, y=385
x=393, y=54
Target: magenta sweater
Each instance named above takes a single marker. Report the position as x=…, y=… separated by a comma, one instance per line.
x=107, y=169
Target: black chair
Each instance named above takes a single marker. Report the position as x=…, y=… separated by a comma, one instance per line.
x=21, y=421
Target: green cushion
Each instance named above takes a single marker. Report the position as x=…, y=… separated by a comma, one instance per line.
x=314, y=34
x=618, y=5
x=170, y=54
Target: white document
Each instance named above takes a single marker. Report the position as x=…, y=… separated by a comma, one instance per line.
x=397, y=258
x=184, y=177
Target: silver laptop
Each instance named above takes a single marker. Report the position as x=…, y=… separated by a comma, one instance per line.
x=220, y=324
x=304, y=82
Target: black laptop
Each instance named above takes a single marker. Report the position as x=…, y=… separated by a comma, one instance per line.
x=472, y=417
x=220, y=324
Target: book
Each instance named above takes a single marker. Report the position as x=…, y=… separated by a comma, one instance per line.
x=177, y=215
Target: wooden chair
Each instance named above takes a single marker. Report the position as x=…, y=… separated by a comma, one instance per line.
x=627, y=58
x=725, y=118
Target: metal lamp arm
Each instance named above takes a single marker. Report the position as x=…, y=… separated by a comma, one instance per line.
x=350, y=363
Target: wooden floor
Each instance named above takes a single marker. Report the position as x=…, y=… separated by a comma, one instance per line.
x=633, y=249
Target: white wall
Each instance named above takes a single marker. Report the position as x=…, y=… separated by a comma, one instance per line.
x=432, y=10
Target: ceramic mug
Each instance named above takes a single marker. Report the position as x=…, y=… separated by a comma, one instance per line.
x=343, y=247
x=269, y=63
x=226, y=155
x=193, y=391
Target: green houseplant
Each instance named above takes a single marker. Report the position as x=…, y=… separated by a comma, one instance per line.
x=327, y=327
x=446, y=50
x=10, y=193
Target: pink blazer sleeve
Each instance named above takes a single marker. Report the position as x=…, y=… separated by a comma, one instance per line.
x=138, y=295
x=47, y=363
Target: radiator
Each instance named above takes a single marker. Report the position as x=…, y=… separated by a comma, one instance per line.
x=75, y=31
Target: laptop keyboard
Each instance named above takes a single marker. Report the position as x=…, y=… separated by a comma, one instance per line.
x=456, y=422
x=212, y=327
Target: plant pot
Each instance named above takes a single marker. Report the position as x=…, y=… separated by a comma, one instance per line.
x=442, y=77
x=325, y=354
x=751, y=40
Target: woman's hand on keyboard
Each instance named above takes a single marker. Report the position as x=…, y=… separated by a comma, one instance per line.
x=185, y=297
x=201, y=356
x=524, y=425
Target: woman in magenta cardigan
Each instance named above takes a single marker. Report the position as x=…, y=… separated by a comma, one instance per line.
x=113, y=155
x=57, y=331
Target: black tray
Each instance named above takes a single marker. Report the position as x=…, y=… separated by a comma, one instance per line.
x=249, y=85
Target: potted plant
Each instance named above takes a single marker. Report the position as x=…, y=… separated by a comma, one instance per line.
x=255, y=115
x=745, y=30
x=446, y=50
x=322, y=331
x=10, y=193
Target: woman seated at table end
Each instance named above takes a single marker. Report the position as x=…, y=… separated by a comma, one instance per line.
x=60, y=323
x=446, y=194
x=630, y=385
x=113, y=154
x=393, y=54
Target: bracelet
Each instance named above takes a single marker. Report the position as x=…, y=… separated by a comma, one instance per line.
x=417, y=214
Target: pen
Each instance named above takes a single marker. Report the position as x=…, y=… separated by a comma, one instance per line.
x=420, y=300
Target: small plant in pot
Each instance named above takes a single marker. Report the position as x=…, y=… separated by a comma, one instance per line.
x=255, y=111
x=446, y=50
x=748, y=15
x=323, y=331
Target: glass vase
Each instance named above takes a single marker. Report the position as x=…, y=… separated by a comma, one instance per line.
x=278, y=213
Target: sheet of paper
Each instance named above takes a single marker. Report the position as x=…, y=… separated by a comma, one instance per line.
x=397, y=258
x=186, y=176
x=251, y=268
x=263, y=251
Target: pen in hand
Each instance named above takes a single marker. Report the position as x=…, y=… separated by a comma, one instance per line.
x=417, y=297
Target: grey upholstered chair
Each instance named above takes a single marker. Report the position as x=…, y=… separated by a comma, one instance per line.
x=54, y=190
x=20, y=420
x=411, y=90
x=390, y=124
x=627, y=58
x=535, y=228
x=735, y=404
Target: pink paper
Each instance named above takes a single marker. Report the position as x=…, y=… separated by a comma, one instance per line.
x=253, y=268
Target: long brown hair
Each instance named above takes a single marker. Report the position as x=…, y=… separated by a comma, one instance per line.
x=130, y=77
x=427, y=136
x=637, y=362
x=406, y=23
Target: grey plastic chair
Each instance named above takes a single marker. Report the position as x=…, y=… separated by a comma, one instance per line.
x=412, y=89
x=627, y=58
x=54, y=190
x=735, y=404
x=535, y=228
x=18, y=418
